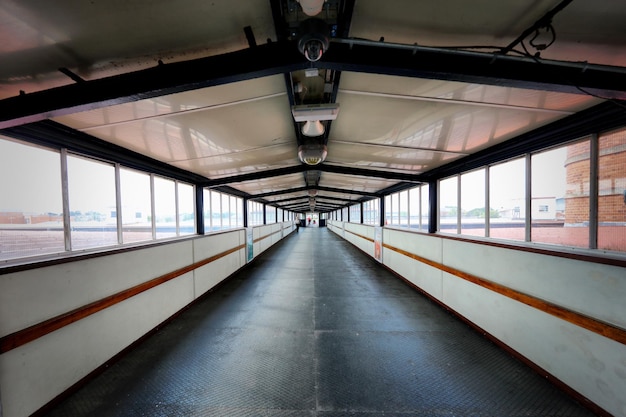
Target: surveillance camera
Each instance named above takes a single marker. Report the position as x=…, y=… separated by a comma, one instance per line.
x=314, y=38
x=313, y=50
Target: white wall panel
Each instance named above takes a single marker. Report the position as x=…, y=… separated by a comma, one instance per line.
x=57, y=289
x=591, y=364
x=566, y=282
x=36, y=372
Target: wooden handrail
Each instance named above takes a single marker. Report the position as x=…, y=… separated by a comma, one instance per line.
x=602, y=328
x=21, y=337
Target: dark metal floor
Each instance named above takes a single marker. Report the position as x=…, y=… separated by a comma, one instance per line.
x=315, y=328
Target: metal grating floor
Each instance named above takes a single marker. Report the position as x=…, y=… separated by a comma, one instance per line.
x=315, y=328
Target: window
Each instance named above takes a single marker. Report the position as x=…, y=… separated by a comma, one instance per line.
x=560, y=195
x=370, y=212
x=236, y=211
x=136, y=206
x=255, y=213
x=473, y=203
x=224, y=211
x=92, y=194
x=414, y=208
x=270, y=214
x=507, y=200
x=403, y=208
x=355, y=213
x=448, y=205
x=612, y=191
x=164, y=207
x=186, y=209
x=31, y=206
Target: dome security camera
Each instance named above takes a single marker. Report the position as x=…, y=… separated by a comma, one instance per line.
x=314, y=38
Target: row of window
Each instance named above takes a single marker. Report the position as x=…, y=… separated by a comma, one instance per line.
x=54, y=202
x=573, y=195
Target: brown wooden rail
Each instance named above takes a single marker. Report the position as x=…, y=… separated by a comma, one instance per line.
x=21, y=337
x=602, y=328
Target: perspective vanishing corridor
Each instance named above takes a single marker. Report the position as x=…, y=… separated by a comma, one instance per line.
x=313, y=327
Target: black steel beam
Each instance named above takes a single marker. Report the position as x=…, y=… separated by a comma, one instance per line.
x=283, y=57
x=256, y=175
x=343, y=191
x=260, y=61
x=474, y=67
x=372, y=173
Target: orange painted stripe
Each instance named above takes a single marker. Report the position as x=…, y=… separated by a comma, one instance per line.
x=605, y=329
x=266, y=236
x=361, y=236
x=20, y=338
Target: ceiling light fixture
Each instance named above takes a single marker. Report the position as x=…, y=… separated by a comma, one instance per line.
x=312, y=154
x=313, y=128
x=311, y=7
x=313, y=112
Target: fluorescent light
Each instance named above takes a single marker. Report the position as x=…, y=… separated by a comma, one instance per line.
x=313, y=112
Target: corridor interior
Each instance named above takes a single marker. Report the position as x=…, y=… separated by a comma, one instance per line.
x=313, y=327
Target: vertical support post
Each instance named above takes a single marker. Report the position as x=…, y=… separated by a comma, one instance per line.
x=528, y=200
x=118, y=205
x=199, y=202
x=487, y=199
x=381, y=208
x=362, y=217
x=433, y=204
x=594, y=161
x=152, y=207
x=264, y=214
x=177, y=208
x=245, y=212
x=65, y=194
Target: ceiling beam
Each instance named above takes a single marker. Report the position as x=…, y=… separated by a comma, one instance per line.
x=256, y=175
x=371, y=173
x=262, y=60
x=343, y=191
x=343, y=55
x=474, y=67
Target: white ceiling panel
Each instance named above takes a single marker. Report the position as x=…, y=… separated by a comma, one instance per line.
x=97, y=39
x=428, y=125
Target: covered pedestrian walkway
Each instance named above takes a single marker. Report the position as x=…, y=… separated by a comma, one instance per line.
x=313, y=327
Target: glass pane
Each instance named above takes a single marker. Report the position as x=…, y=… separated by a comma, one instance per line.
x=473, y=203
x=164, y=207
x=560, y=196
x=216, y=210
x=448, y=205
x=414, y=208
x=403, y=209
x=136, y=206
x=425, y=210
x=93, y=213
x=225, y=211
x=31, y=207
x=395, y=209
x=186, y=209
x=387, y=209
x=612, y=192
x=507, y=196
x=206, y=209
x=235, y=212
